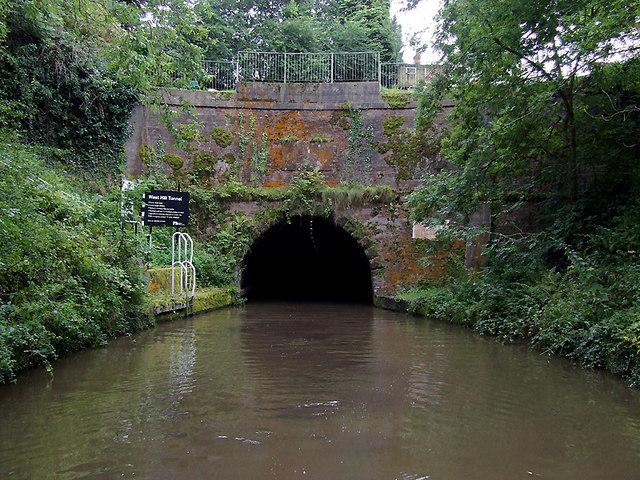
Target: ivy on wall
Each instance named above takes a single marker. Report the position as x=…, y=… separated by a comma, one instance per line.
x=357, y=162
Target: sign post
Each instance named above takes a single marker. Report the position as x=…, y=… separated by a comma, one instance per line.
x=164, y=208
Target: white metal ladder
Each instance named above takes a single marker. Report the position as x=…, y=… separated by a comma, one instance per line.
x=182, y=258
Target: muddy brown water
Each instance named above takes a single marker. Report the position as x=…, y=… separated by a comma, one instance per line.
x=318, y=391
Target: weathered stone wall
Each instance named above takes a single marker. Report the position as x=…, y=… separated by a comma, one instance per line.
x=303, y=124
x=343, y=130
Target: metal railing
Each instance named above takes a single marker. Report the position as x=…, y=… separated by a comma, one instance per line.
x=405, y=75
x=219, y=75
x=328, y=67
x=309, y=67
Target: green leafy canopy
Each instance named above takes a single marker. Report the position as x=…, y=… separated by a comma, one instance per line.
x=515, y=71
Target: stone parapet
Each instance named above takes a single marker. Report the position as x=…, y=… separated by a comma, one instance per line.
x=285, y=96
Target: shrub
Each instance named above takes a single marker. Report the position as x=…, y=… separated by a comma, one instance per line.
x=68, y=278
x=173, y=160
x=222, y=137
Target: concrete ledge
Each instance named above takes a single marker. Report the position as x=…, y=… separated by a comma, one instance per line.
x=205, y=299
x=391, y=303
x=286, y=96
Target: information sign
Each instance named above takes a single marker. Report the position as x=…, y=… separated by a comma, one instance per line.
x=165, y=209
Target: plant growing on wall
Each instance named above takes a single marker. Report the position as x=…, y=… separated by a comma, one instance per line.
x=302, y=193
x=357, y=165
x=174, y=161
x=222, y=137
x=259, y=159
x=289, y=138
x=245, y=137
x=321, y=138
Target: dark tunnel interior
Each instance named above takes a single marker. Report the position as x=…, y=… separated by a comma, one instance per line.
x=307, y=259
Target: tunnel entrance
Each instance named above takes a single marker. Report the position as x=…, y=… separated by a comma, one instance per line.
x=308, y=258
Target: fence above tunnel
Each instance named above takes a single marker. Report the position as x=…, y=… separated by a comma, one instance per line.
x=327, y=67
x=285, y=67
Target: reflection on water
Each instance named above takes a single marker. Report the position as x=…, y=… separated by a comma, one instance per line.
x=287, y=391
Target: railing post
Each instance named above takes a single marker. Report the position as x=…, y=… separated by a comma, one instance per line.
x=332, y=63
x=379, y=72
x=285, y=68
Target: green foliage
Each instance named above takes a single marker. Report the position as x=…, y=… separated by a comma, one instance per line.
x=580, y=303
x=289, y=138
x=364, y=25
x=68, y=275
x=357, y=164
x=396, y=98
x=173, y=160
x=203, y=160
x=228, y=26
x=57, y=88
x=321, y=138
x=146, y=154
x=392, y=124
x=222, y=137
x=522, y=98
x=543, y=128
x=302, y=193
x=259, y=159
x=355, y=196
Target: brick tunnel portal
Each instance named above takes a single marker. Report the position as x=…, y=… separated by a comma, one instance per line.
x=309, y=259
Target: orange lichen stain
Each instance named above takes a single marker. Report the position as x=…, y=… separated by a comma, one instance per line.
x=275, y=184
x=324, y=155
x=404, y=262
x=289, y=123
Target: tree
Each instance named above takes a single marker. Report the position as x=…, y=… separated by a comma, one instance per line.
x=54, y=85
x=517, y=72
x=297, y=26
x=365, y=25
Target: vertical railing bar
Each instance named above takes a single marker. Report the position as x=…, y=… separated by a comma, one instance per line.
x=285, y=68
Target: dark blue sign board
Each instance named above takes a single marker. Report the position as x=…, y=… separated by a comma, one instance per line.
x=165, y=209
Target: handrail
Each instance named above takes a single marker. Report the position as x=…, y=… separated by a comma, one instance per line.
x=303, y=67
x=182, y=257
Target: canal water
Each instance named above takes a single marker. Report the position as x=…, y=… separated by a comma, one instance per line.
x=318, y=391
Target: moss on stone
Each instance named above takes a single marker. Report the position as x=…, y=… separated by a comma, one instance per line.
x=410, y=150
x=289, y=138
x=173, y=160
x=321, y=138
x=184, y=175
x=396, y=98
x=382, y=148
x=222, y=137
x=392, y=124
x=341, y=117
x=203, y=160
x=344, y=123
x=212, y=298
x=146, y=153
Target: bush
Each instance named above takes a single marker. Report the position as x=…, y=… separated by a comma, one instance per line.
x=68, y=274
x=588, y=311
x=222, y=137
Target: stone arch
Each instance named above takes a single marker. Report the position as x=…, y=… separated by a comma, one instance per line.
x=310, y=257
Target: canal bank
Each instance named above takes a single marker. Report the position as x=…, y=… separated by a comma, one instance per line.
x=166, y=306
